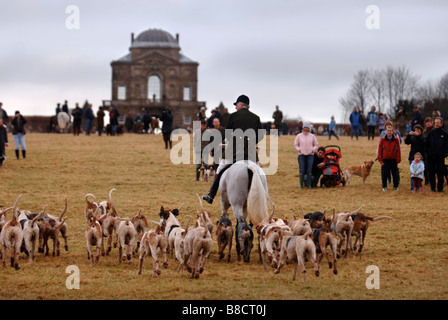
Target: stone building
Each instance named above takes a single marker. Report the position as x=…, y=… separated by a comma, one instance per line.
x=154, y=74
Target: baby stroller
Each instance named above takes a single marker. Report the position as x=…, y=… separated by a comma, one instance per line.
x=331, y=171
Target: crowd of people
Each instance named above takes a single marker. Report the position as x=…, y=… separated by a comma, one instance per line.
x=428, y=139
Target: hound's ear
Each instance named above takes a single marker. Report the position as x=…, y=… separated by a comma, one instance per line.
x=175, y=212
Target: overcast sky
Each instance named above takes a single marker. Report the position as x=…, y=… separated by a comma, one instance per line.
x=300, y=55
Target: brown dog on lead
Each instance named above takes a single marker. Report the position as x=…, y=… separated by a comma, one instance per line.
x=362, y=171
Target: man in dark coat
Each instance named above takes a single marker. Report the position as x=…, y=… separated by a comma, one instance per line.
x=146, y=121
x=89, y=117
x=278, y=118
x=417, y=118
x=3, y=141
x=3, y=114
x=77, y=119
x=167, y=118
x=113, y=119
x=436, y=151
x=240, y=146
x=100, y=120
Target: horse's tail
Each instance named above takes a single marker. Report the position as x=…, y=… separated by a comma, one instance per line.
x=257, y=199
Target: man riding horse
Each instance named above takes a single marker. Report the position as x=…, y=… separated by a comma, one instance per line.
x=240, y=123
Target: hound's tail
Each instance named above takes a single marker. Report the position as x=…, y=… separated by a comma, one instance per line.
x=381, y=218
x=65, y=209
x=89, y=195
x=257, y=200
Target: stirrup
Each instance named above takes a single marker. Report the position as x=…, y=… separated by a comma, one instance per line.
x=208, y=199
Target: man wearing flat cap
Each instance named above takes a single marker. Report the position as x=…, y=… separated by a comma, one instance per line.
x=242, y=147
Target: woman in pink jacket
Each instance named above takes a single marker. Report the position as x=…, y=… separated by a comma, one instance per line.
x=305, y=144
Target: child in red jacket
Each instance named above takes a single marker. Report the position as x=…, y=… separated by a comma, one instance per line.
x=389, y=155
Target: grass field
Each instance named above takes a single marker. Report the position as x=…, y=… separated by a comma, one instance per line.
x=411, y=250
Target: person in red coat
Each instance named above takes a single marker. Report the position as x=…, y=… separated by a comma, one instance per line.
x=389, y=155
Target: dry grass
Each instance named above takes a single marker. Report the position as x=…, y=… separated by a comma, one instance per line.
x=410, y=250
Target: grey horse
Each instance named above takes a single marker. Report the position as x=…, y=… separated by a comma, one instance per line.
x=244, y=187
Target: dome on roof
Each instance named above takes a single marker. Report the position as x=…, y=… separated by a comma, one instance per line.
x=155, y=38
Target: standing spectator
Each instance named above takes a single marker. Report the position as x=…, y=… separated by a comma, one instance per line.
x=316, y=171
x=417, y=142
x=278, y=119
x=18, y=133
x=355, y=121
x=305, y=144
x=389, y=155
x=129, y=124
x=372, y=121
x=113, y=119
x=382, y=136
x=3, y=114
x=437, y=150
x=146, y=121
x=100, y=121
x=381, y=122
x=436, y=113
x=332, y=129
x=138, y=123
x=3, y=142
x=77, y=119
x=167, y=127
x=429, y=125
x=89, y=117
x=401, y=121
x=225, y=117
x=417, y=118
x=417, y=172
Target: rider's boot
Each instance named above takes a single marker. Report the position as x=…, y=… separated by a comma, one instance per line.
x=213, y=190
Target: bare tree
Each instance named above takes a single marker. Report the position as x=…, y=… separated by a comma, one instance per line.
x=378, y=88
x=389, y=74
x=442, y=87
x=405, y=84
x=393, y=86
x=358, y=94
x=426, y=92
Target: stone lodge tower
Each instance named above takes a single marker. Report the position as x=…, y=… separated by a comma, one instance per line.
x=155, y=74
